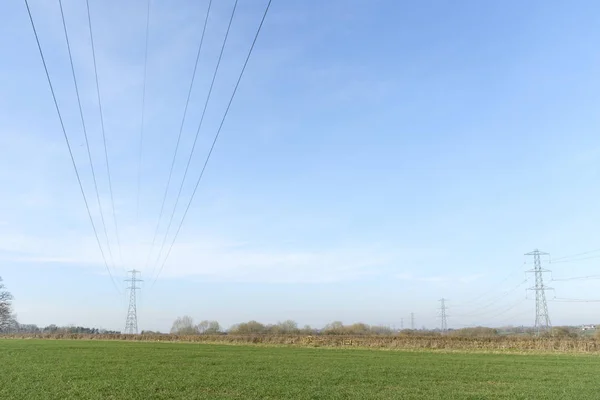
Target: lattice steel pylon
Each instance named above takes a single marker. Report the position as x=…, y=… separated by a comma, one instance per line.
x=443, y=316
x=542, y=320
x=131, y=325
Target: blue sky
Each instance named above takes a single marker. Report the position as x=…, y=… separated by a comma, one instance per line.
x=378, y=156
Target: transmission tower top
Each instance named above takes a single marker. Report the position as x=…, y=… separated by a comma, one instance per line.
x=537, y=253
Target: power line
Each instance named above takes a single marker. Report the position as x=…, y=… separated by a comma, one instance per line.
x=495, y=311
x=215, y=139
x=577, y=278
x=187, y=102
x=87, y=143
x=189, y=161
x=479, y=310
x=576, y=255
x=504, y=311
x=112, y=199
x=485, y=294
x=576, y=260
x=87, y=207
x=139, y=177
x=566, y=300
x=511, y=307
x=512, y=317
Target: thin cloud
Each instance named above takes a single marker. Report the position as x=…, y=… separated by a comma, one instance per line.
x=209, y=258
x=439, y=278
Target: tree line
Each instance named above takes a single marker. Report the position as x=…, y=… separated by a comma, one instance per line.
x=185, y=326
x=15, y=327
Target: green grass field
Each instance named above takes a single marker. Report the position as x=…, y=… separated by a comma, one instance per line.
x=37, y=369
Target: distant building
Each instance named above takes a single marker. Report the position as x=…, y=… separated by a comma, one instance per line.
x=588, y=327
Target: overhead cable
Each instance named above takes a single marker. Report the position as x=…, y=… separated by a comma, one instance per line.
x=141, y=145
x=575, y=260
x=189, y=161
x=85, y=135
x=577, y=278
x=185, y=110
x=214, y=140
x=480, y=310
x=576, y=255
x=488, y=292
x=110, y=187
x=69, y=145
x=566, y=300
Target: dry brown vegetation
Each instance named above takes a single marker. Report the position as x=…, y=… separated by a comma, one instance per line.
x=499, y=343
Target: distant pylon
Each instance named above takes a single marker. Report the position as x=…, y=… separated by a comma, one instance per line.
x=443, y=315
x=542, y=320
x=412, y=321
x=131, y=325
x=401, y=323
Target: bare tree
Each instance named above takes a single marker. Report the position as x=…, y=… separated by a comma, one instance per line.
x=381, y=330
x=213, y=328
x=184, y=326
x=5, y=307
x=202, y=327
x=250, y=327
x=334, y=328
x=284, y=328
x=13, y=325
x=358, y=328
x=208, y=327
x=308, y=330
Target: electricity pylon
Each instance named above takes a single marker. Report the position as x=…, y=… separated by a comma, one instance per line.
x=131, y=325
x=444, y=316
x=542, y=320
x=412, y=321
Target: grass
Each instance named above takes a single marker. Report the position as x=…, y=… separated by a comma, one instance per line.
x=64, y=369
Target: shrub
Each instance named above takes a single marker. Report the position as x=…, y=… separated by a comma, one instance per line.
x=478, y=331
